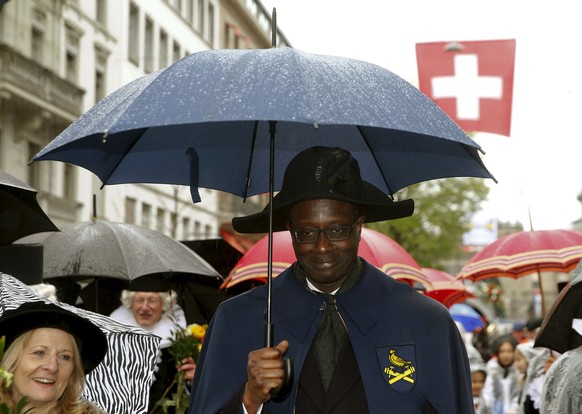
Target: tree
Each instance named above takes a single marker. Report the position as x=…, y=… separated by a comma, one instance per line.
x=443, y=209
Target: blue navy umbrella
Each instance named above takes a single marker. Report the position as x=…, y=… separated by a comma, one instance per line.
x=231, y=120
x=204, y=122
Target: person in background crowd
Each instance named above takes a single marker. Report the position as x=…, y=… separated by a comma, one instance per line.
x=49, y=352
x=481, y=341
x=562, y=392
x=360, y=342
x=150, y=304
x=524, y=354
x=530, y=329
x=502, y=376
x=478, y=376
x=562, y=332
x=537, y=368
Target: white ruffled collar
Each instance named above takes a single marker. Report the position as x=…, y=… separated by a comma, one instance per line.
x=164, y=328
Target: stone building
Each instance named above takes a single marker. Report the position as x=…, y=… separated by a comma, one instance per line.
x=59, y=57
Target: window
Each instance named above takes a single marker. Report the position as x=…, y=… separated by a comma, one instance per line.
x=211, y=24
x=232, y=36
x=207, y=230
x=176, y=52
x=161, y=221
x=69, y=182
x=174, y=223
x=149, y=45
x=185, y=228
x=130, y=204
x=189, y=12
x=37, y=36
x=133, y=43
x=197, y=229
x=146, y=215
x=163, y=49
x=100, y=74
x=34, y=169
x=72, y=55
x=201, y=17
x=101, y=11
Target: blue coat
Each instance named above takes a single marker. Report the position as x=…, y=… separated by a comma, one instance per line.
x=384, y=319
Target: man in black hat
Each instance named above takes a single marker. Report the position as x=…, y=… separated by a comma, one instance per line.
x=360, y=342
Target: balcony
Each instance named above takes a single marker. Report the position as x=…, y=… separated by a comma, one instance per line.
x=28, y=83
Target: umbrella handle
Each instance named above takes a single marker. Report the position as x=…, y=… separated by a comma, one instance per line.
x=287, y=363
x=287, y=379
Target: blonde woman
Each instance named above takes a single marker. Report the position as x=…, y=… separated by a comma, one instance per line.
x=48, y=352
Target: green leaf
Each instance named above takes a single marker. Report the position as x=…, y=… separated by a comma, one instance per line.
x=2, y=343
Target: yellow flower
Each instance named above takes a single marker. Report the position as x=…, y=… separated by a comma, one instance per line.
x=198, y=330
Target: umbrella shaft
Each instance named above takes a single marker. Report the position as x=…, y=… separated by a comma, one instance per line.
x=268, y=324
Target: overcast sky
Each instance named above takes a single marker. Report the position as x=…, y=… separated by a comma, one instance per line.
x=538, y=167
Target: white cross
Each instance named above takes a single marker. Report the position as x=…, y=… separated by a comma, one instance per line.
x=467, y=86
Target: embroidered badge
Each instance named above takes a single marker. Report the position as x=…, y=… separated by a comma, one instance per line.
x=398, y=366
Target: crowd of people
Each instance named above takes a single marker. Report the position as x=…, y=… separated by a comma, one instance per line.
x=523, y=373
x=345, y=338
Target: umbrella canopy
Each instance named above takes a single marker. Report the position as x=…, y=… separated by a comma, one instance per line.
x=467, y=316
x=526, y=252
x=20, y=213
x=121, y=383
x=107, y=255
x=556, y=331
x=445, y=288
x=119, y=251
x=184, y=124
x=375, y=247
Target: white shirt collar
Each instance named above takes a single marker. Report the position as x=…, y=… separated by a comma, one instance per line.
x=312, y=287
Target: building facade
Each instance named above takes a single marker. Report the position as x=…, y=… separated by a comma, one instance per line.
x=59, y=57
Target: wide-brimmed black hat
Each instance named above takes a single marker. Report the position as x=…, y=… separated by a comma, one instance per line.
x=90, y=339
x=150, y=283
x=324, y=173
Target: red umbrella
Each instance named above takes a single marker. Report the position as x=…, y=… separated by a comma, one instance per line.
x=445, y=288
x=526, y=252
x=375, y=247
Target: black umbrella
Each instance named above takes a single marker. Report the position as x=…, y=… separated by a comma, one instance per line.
x=107, y=255
x=556, y=332
x=20, y=213
x=119, y=251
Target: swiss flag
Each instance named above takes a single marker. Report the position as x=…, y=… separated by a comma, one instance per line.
x=471, y=81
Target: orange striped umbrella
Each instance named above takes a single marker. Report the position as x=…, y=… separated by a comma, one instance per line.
x=375, y=247
x=445, y=288
x=526, y=252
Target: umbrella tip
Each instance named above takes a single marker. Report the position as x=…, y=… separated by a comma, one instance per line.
x=274, y=28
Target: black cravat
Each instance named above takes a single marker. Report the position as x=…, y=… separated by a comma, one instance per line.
x=331, y=334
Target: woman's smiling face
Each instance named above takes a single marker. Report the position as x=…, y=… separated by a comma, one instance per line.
x=45, y=367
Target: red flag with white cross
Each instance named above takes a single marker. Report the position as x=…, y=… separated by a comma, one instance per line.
x=471, y=81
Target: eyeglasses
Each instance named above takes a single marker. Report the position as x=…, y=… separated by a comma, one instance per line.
x=149, y=301
x=333, y=234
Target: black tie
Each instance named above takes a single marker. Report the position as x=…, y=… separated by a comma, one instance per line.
x=331, y=334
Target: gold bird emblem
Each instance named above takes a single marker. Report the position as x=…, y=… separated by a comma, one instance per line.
x=396, y=360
